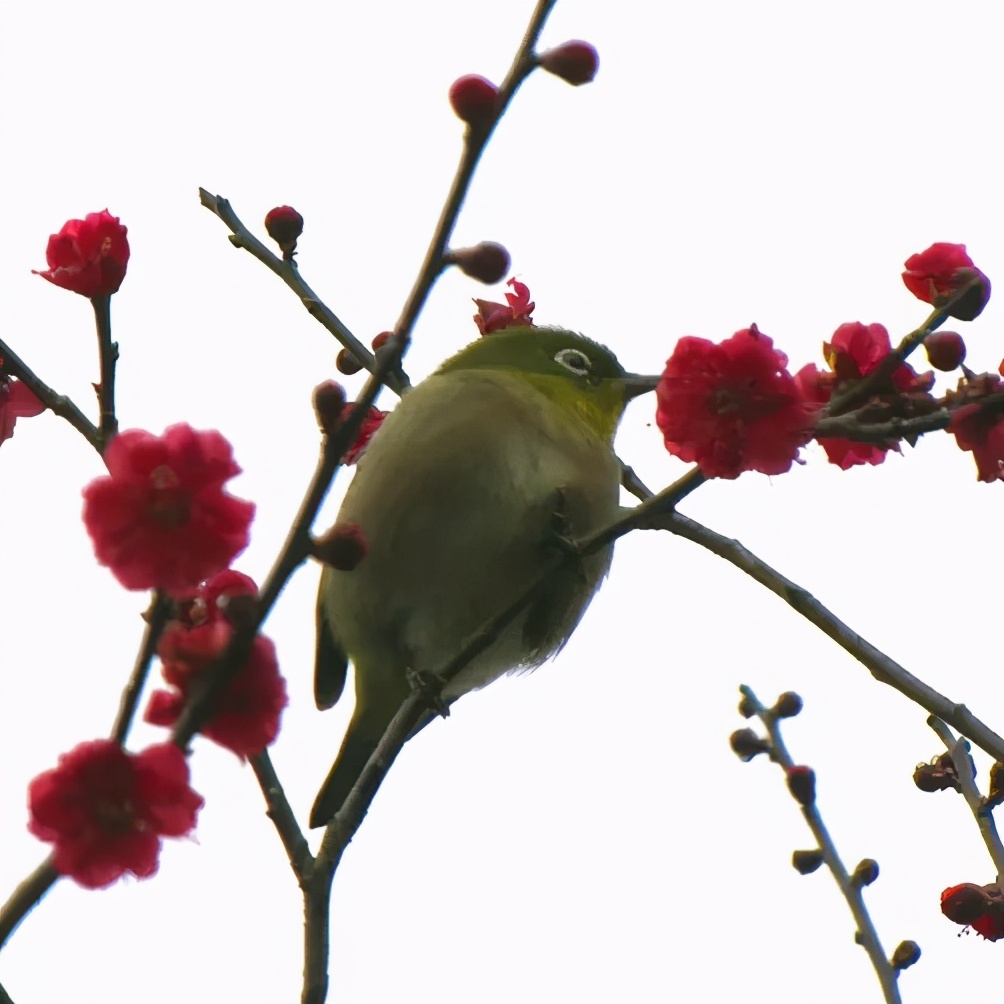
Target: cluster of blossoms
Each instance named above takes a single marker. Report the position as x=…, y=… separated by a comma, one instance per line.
x=160, y=519
x=734, y=406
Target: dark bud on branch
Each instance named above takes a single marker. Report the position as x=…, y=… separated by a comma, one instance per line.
x=487, y=262
x=329, y=403
x=575, y=62
x=284, y=225
x=342, y=547
x=347, y=363
x=787, y=705
x=945, y=350
x=938, y=775
x=865, y=873
x=746, y=744
x=806, y=862
x=475, y=100
x=995, y=796
x=802, y=784
x=906, y=954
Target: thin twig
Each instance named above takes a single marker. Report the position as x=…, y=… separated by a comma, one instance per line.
x=882, y=668
x=965, y=770
x=25, y=897
x=866, y=935
x=474, y=144
x=108, y=354
x=283, y=818
x=59, y=404
x=156, y=618
x=848, y=427
x=289, y=272
x=634, y=484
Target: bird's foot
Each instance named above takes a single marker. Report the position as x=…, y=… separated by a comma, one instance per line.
x=559, y=533
x=559, y=536
x=430, y=688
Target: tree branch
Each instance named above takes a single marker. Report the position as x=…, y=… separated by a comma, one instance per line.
x=882, y=668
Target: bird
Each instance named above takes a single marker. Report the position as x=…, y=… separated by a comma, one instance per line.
x=500, y=456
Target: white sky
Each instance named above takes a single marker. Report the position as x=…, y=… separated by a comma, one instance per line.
x=583, y=834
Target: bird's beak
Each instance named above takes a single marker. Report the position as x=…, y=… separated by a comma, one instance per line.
x=635, y=384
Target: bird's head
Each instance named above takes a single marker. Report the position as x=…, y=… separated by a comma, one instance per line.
x=573, y=371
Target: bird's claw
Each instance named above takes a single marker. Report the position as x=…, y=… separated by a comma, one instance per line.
x=430, y=688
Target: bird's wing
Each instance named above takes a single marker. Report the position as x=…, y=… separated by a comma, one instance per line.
x=330, y=661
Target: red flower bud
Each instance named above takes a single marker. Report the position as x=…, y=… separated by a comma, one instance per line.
x=329, y=403
x=802, y=784
x=381, y=340
x=342, y=547
x=88, y=256
x=284, y=225
x=945, y=350
x=347, y=363
x=575, y=62
x=487, y=262
x=474, y=99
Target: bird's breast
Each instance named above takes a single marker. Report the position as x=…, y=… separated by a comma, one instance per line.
x=459, y=496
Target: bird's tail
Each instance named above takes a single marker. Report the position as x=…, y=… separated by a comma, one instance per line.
x=361, y=740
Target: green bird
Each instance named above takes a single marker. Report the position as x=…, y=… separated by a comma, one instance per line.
x=462, y=495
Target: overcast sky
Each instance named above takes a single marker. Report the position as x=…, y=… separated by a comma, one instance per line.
x=582, y=834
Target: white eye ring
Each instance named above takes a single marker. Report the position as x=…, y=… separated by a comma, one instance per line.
x=574, y=360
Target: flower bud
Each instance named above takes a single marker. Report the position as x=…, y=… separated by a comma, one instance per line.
x=746, y=708
x=347, y=363
x=806, y=862
x=906, y=954
x=995, y=795
x=945, y=350
x=329, y=403
x=342, y=547
x=284, y=225
x=487, y=262
x=575, y=62
x=787, y=705
x=474, y=99
x=972, y=302
x=802, y=784
x=746, y=744
x=865, y=873
x=381, y=340
x=937, y=776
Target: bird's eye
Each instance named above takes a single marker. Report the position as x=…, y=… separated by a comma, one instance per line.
x=574, y=360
